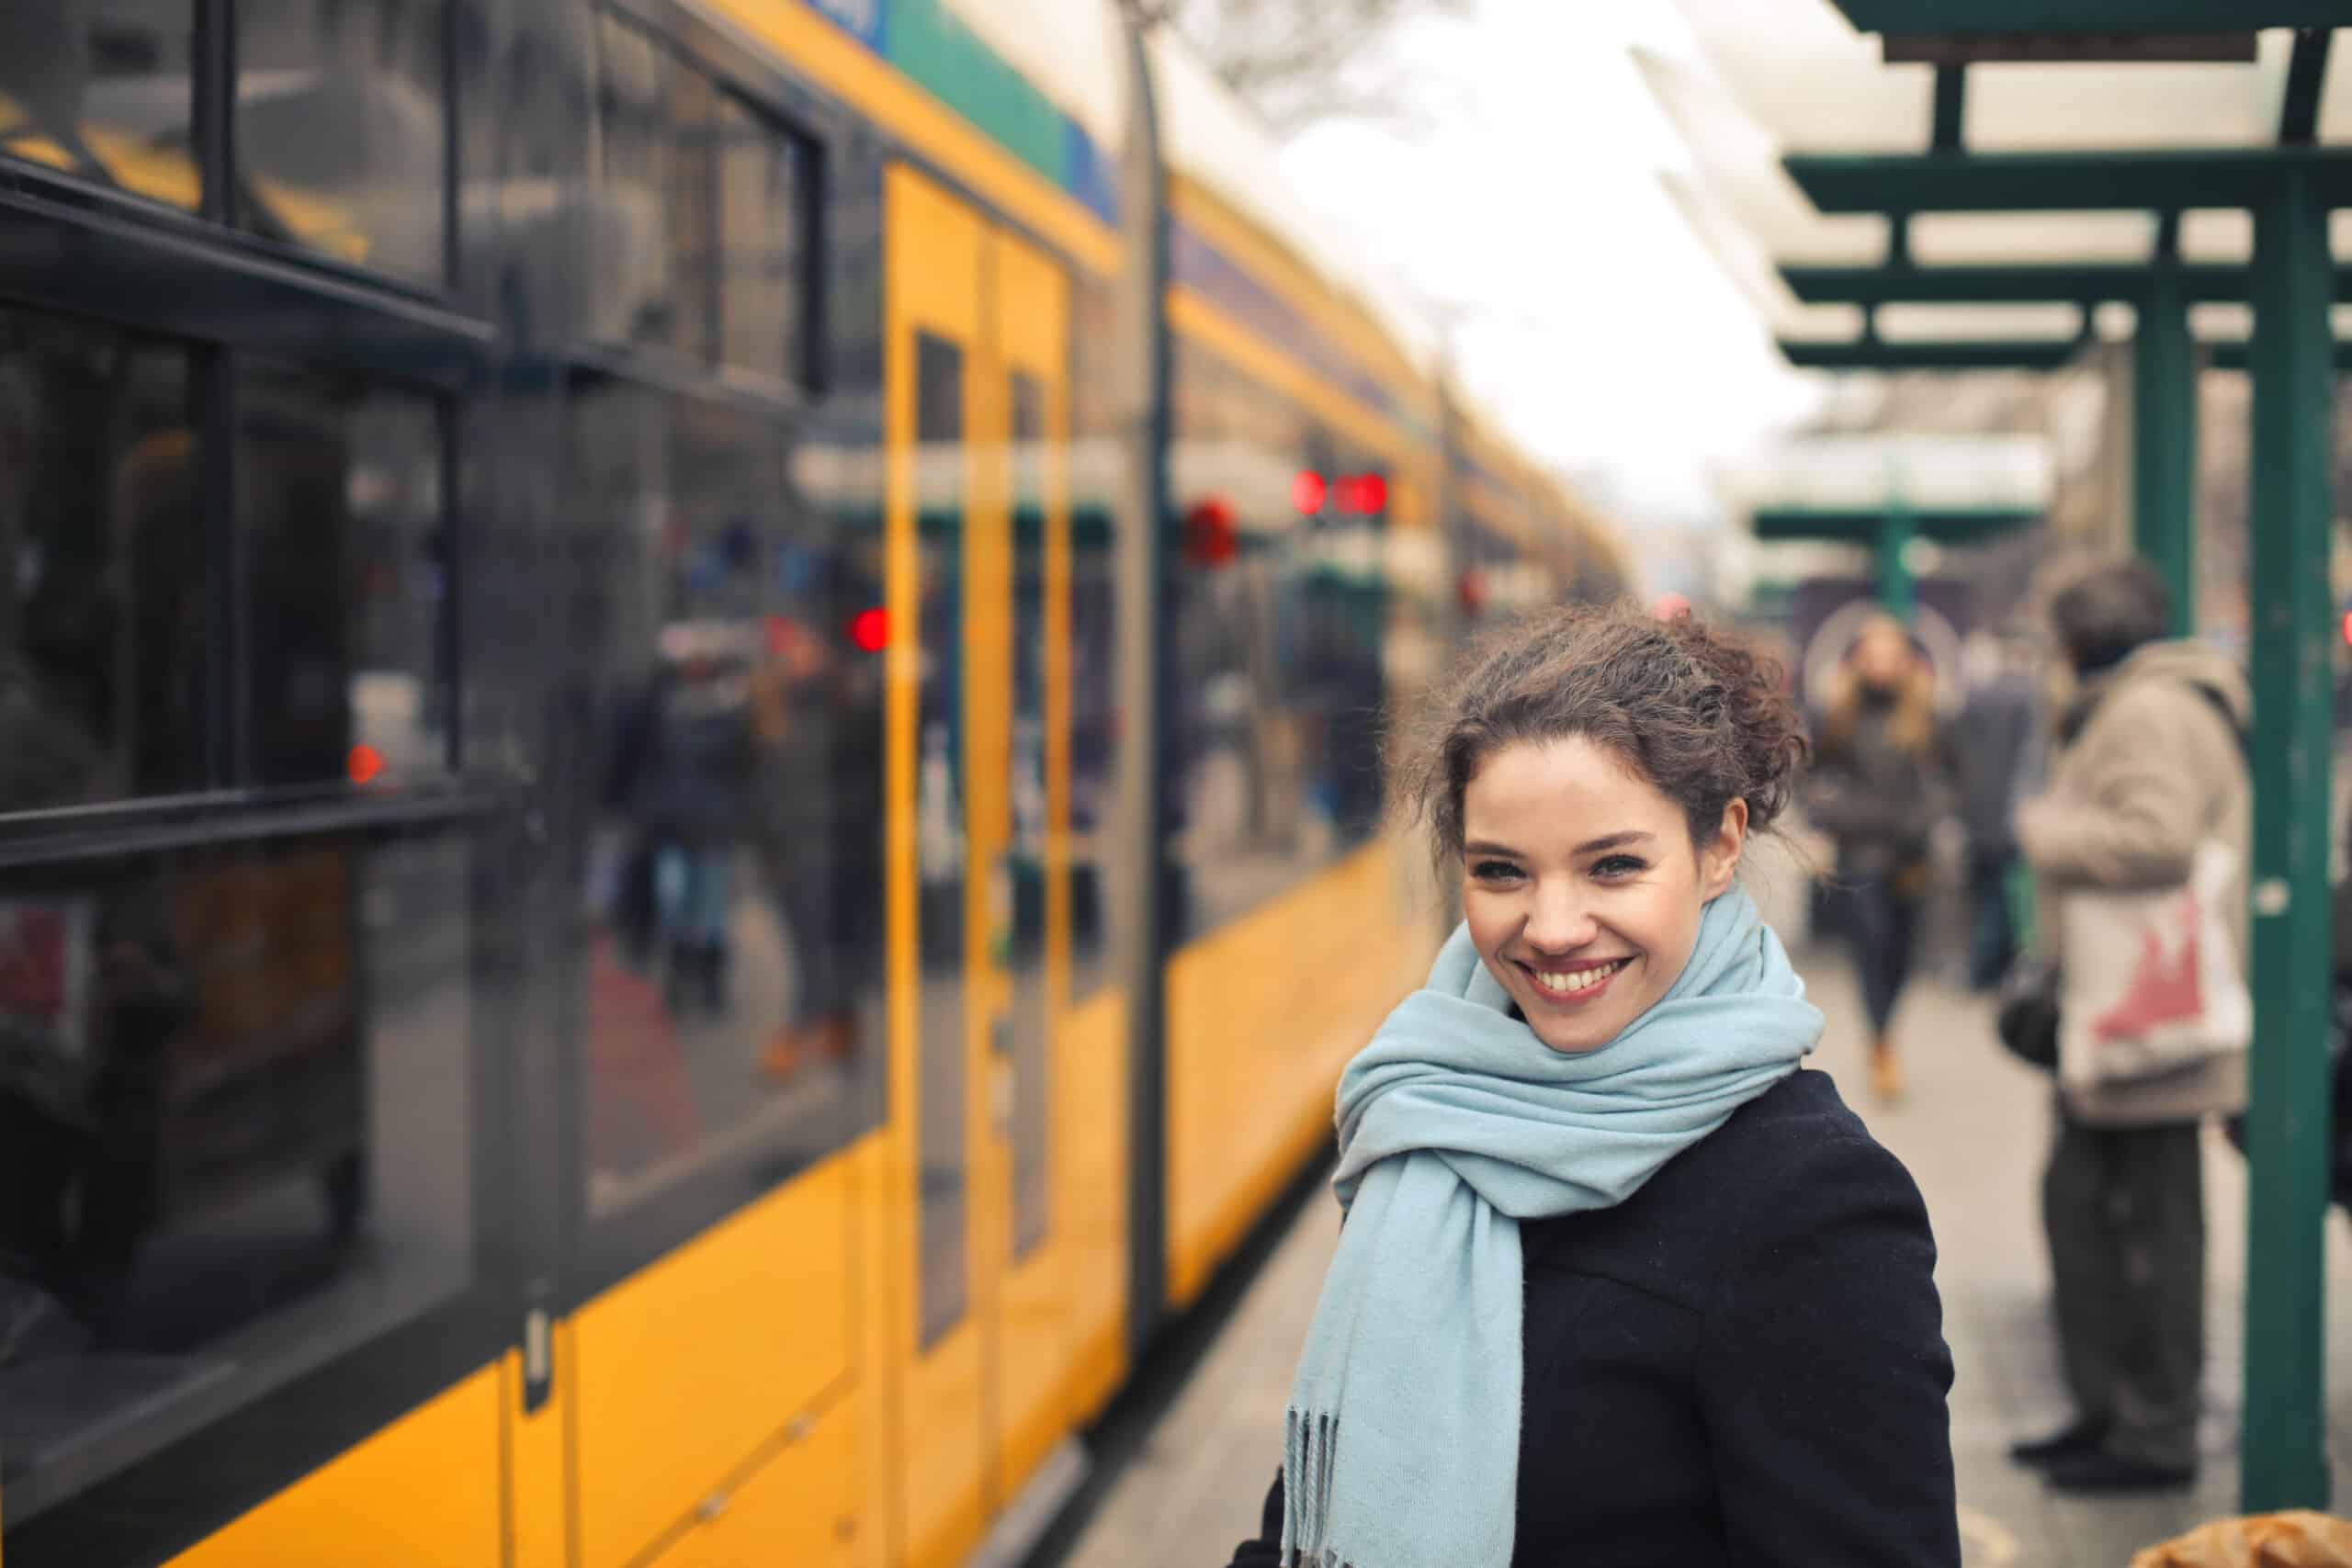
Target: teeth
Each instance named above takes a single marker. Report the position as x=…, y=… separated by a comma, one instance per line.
x=1578, y=979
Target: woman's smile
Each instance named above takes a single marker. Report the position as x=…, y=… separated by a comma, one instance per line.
x=1563, y=984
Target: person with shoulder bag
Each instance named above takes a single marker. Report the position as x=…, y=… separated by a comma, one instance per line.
x=2139, y=847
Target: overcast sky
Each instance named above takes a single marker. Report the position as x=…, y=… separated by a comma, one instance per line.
x=1590, y=318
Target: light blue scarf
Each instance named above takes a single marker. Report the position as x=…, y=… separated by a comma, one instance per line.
x=1401, y=1444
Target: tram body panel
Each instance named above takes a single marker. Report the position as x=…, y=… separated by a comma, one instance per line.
x=426, y=1489
x=1254, y=1048
x=682, y=1373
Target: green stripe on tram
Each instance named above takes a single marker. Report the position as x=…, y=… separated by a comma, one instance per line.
x=958, y=67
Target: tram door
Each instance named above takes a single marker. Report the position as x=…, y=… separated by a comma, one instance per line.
x=976, y=407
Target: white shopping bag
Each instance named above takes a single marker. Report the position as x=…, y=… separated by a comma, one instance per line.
x=2150, y=983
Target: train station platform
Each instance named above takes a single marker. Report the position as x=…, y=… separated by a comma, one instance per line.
x=1973, y=1130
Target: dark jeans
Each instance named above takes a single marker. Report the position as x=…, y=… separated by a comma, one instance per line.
x=831, y=904
x=1992, y=935
x=2125, y=1212
x=1883, y=926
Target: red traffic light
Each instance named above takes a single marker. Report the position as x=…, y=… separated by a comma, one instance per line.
x=1364, y=494
x=1308, y=492
x=870, y=630
x=1211, y=536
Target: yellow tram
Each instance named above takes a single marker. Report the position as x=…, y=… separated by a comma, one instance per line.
x=690, y=700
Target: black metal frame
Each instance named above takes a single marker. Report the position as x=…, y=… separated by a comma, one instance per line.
x=78, y=248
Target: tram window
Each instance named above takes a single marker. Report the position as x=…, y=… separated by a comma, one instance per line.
x=341, y=521
x=236, y=1132
x=941, y=1173
x=102, y=673
x=1031, y=1009
x=104, y=90
x=1273, y=733
x=763, y=215
x=733, y=884
x=1093, y=644
x=657, y=228
x=342, y=130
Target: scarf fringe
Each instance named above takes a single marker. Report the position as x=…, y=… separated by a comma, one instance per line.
x=1311, y=1457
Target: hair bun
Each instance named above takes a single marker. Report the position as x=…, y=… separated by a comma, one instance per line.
x=1765, y=733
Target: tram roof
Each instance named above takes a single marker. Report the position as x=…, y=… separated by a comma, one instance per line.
x=1072, y=51
x=1211, y=138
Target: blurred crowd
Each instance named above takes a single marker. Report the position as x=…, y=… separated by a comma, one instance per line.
x=2073, y=793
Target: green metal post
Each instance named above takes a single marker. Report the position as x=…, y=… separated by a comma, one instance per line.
x=2164, y=440
x=2283, y=1436
x=1896, y=591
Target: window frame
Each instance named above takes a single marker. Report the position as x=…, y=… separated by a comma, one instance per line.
x=212, y=102
x=598, y=1251
x=815, y=129
x=220, y=295
x=171, y=1496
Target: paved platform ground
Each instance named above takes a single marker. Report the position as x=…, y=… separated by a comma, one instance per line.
x=1973, y=1130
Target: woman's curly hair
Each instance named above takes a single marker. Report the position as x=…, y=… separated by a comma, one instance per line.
x=1703, y=718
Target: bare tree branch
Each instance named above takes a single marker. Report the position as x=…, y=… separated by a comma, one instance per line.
x=1297, y=62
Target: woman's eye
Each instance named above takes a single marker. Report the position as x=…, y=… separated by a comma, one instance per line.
x=1494, y=871
x=1619, y=865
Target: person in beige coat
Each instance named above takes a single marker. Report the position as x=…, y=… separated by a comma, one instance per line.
x=2149, y=764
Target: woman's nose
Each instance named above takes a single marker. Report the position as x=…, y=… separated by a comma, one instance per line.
x=1560, y=922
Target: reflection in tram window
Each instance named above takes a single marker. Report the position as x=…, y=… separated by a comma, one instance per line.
x=236, y=1132
x=940, y=837
x=103, y=89
x=341, y=520
x=1094, y=634
x=763, y=217
x=342, y=128
x=1278, y=689
x=733, y=885
x=101, y=612
x=1031, y=1009
x=700, y=230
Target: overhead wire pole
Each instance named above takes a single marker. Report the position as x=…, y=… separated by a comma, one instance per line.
x=2283, y=1454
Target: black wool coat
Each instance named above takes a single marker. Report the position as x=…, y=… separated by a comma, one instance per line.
x=1743, y=1363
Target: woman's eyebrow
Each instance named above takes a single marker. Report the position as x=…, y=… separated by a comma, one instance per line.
x=1591, y=846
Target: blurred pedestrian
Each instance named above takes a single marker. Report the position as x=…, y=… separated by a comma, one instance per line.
x=1881, y=780
x=2149, y=765
x=1997, y=748
x=1619, y=1283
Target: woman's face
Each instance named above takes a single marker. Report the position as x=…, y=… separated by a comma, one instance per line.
x=1883, y=657
x=1582, y=889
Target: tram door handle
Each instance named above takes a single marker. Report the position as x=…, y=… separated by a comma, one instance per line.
x=538, y=1359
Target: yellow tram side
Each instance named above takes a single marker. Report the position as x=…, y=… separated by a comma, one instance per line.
x=866, y=1361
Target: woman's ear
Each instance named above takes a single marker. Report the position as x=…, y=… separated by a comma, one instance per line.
x=1719, y=857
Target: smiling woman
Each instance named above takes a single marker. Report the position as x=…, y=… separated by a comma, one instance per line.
x=1621, y=1283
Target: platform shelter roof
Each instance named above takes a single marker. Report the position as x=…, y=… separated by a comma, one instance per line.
x=1767, y=78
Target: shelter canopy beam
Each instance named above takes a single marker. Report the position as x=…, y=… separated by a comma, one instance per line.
x=1928, y=354
x=2065, y=182
x=2044, y=18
